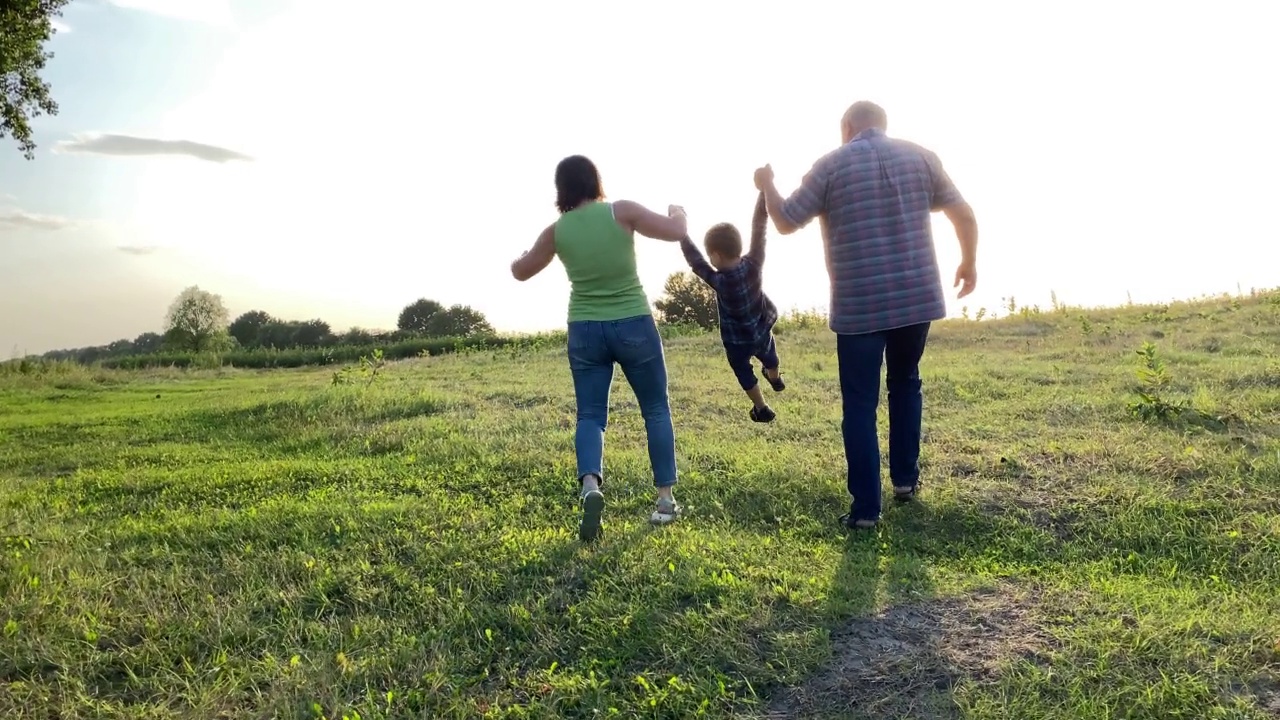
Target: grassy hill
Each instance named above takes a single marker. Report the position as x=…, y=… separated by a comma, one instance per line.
x=244, y=544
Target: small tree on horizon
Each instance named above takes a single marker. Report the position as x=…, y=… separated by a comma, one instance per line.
x=195, y=319
x=120, y=347
x=311, y=333
x=458, y=321
x=416, y=316
x=246, y=328
x=688, y=300
x=148, y=342
x=357, y=336
x=277, y=334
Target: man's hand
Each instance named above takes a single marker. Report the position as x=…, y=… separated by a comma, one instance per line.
x=966, y=225
x=966, y=276
x=764, y=177
x=675, y=211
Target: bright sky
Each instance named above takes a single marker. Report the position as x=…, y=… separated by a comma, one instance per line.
x=340, y=164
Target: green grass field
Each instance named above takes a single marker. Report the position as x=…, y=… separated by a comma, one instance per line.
x=271, y=544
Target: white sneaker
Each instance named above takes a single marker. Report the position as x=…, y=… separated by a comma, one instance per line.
x=665, y=511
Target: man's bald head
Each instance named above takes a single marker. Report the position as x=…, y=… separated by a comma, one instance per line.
x=862, y=115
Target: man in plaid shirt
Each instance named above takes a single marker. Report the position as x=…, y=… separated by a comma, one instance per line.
x=747, y=315
x=874, y=196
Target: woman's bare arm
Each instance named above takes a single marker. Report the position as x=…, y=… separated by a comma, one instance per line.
x=537, y=258
x=634, y=216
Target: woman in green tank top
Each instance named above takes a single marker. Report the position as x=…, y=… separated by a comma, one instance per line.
x=609, y=322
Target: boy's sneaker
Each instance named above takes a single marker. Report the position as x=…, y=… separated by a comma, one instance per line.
x=776, y=383
x=665, y=511
x=763, y=415
x=592, y=513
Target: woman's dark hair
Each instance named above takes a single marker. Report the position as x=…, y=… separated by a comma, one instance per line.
x=577, y=180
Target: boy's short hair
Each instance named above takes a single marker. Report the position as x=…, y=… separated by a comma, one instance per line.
x=724, y=240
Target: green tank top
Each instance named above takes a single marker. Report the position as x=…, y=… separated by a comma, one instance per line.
x=599, y=256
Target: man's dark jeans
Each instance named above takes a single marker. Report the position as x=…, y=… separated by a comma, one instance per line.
x=860, y=358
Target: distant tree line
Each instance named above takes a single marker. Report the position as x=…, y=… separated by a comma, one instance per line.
x=197, y=322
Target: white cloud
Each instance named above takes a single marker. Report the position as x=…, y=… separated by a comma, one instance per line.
x=137, y=249
x=60, y=26
x=19, y=220
x=211, y=12
x=129, y=145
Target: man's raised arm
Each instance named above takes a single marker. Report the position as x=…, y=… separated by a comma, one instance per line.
x=807, y=202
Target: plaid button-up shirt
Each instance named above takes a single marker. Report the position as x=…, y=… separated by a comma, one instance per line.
x=874, y=196
x=747, y=315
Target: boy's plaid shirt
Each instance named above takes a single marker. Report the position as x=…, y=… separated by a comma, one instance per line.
x=747, y=315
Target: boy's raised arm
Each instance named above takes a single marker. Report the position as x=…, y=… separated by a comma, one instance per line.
x=697, y=263
x=758, y=222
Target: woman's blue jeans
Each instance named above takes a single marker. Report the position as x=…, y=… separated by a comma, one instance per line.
x=594, y=347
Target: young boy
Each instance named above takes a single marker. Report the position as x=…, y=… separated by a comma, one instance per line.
x=747, y=315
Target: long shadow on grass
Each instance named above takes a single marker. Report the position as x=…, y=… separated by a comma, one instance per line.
x=936, y=531
x=898, y=660
x=909, y=657
x=894, y=662
x=879, y=664
x=1155, y=537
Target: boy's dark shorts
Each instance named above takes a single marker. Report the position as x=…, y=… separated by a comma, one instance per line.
x=740, y=360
